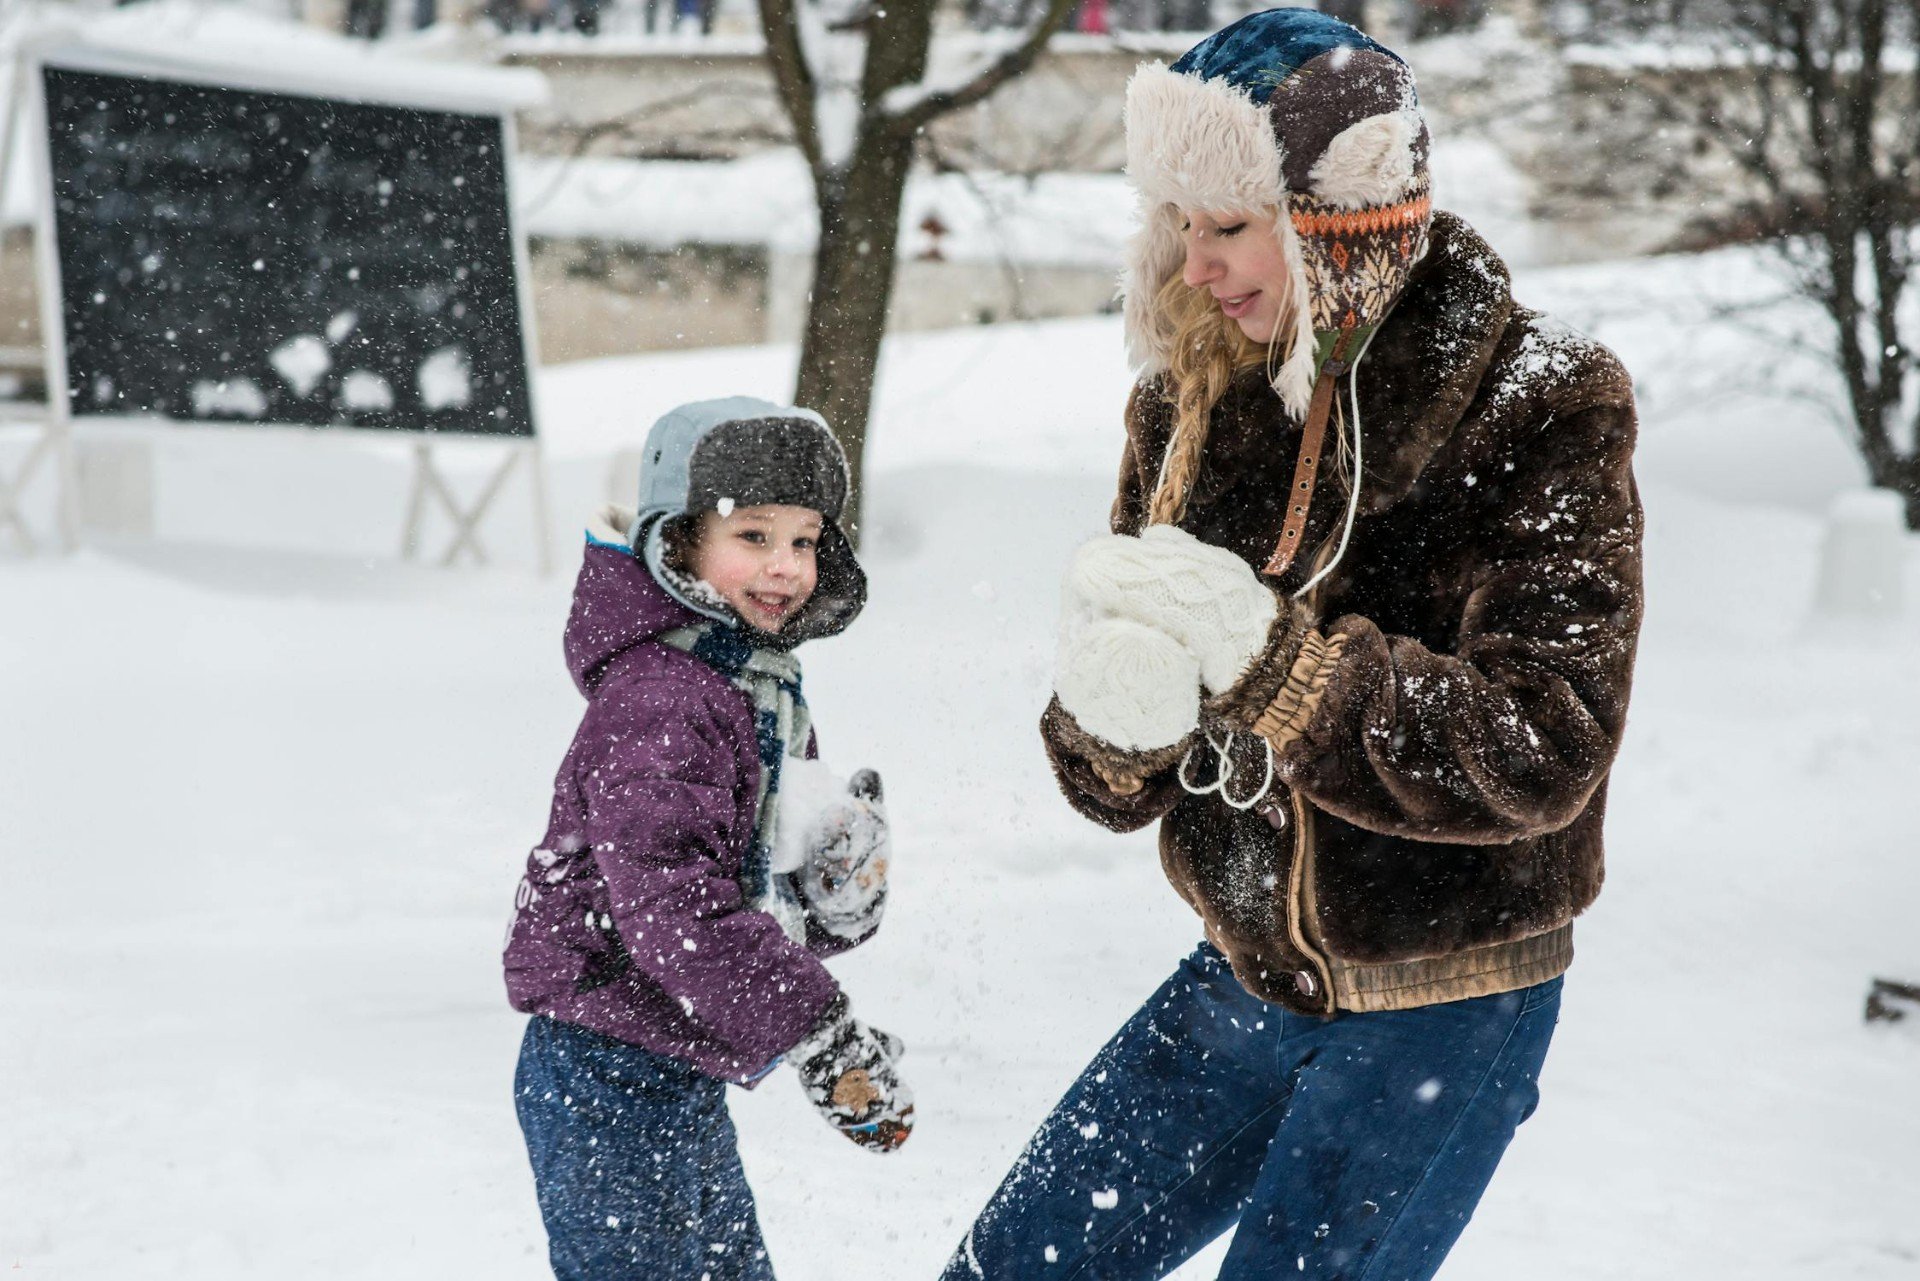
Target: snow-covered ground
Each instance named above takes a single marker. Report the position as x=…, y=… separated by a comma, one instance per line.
x=264, y=793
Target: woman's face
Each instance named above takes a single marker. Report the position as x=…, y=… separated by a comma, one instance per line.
x=1235, y=256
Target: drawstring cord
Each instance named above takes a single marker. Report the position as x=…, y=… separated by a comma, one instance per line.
x=1223, y=753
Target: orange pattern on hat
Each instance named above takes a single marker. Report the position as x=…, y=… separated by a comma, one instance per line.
x=1364, y=222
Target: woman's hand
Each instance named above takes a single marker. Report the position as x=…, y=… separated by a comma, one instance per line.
x=1205, y=598
x=1132, y=687
x=1118, y=782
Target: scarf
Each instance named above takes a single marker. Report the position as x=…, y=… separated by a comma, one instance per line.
x=782, y=727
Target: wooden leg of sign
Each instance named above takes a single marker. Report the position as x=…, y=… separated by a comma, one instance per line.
x=542, y=522
x=66, y=501
x=14, y=486
x=466, y=524
x=416, y=501
x=430, y=488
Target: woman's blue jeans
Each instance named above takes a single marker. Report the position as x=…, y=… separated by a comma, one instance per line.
x=1354, y=1147
x=635, y=1162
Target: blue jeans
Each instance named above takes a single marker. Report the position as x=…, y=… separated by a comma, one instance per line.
x=635, y=1162
x=1353, y=1147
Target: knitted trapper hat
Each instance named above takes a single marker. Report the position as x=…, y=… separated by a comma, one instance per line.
x=1290, y=110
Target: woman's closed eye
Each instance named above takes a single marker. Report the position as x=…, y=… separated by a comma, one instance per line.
x=1234, y=230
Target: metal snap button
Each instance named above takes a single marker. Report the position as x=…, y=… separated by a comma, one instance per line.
x=1306, y=982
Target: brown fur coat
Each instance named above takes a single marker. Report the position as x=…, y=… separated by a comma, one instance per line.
x=1452, y=720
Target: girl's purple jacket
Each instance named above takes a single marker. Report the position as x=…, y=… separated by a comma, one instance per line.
x=630, y=920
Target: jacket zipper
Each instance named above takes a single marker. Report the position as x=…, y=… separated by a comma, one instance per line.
x=1298, y=877
x=1297, y=895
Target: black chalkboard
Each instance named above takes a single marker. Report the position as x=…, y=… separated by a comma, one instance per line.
x=231, y=255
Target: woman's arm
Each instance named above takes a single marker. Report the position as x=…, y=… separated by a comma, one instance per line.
x=1118, y=789
x=1507, y=733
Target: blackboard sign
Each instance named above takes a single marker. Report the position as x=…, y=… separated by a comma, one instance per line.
x=236, y=255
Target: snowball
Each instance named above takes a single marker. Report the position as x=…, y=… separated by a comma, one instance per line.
x=364, y=391
x=807, y=790
x=446, y=379
x=301, y=361
x=1106, y=1198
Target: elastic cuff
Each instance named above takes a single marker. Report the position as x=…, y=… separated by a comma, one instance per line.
x=821, y=1033
x=1286, y=717
x=1240, y=704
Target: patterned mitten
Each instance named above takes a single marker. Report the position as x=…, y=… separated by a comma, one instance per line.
x=1204, y=597
x=844, y=877
x=1131, y=687
x=849, y=1072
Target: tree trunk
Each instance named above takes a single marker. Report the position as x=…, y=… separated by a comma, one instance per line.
x=852, y=286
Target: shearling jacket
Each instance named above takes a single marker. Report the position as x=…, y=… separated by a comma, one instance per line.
x=1442, y=733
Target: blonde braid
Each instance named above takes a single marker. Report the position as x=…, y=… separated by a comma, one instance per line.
x=1208, y=352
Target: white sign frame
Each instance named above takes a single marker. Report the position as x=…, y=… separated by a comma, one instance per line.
x=429, y=486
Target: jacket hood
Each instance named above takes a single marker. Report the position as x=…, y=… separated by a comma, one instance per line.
x=617, y=604
x=742, y=451
x=1297, y=112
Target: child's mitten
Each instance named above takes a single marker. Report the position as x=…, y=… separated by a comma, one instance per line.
x=849, y=1072
x=844, y=876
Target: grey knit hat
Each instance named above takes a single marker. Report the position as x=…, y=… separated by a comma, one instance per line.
x=744, y=452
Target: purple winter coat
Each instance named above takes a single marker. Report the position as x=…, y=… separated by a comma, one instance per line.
x=630, y=920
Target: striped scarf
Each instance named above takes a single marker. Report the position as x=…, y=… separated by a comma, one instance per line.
x=782, y=727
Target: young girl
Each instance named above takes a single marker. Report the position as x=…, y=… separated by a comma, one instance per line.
x=1361, y=643
x=668, y=932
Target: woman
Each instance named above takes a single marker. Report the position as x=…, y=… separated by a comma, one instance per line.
x=1361, y=641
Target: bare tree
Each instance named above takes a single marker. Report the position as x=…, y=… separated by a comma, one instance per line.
x=1814, y=102
x=853, y=77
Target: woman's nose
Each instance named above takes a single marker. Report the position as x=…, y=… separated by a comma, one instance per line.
x=1201, y=266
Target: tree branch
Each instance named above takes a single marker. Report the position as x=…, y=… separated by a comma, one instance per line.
x=787, y=59
x=1004, y=68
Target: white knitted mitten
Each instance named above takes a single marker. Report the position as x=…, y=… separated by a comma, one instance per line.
x=1205, y=597
x=1128, y=685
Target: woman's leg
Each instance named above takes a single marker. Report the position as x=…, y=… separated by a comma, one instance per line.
x=1152, y=1151
x=635, y=1163
x=1396, y=1124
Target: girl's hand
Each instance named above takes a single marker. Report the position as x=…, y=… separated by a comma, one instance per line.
x=844, y=877
x=851, y=1074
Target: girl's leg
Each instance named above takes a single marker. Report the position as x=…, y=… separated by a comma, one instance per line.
x=634, y=1161
x=1396, y=1123
x=1152, y=1151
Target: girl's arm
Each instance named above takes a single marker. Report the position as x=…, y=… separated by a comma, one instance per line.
x=661, y=812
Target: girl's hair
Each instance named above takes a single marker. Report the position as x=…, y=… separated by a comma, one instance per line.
x=1208, y=352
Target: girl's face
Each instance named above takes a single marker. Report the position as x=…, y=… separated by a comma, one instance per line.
x=762, y=560
x=1236, y=257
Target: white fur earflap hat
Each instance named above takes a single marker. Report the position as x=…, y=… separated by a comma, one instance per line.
x=1297, y=112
